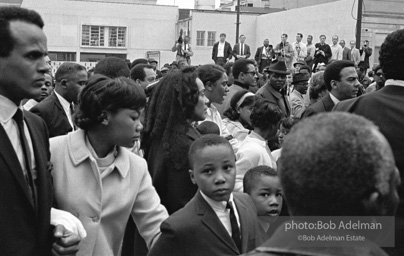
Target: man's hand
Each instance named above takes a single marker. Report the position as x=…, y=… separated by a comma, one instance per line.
x=67, y=243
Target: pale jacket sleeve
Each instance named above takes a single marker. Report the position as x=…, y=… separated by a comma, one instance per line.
x=147, y=212
x=298, y=107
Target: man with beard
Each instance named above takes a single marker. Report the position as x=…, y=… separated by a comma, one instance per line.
x=272, y=90
x=264, y=55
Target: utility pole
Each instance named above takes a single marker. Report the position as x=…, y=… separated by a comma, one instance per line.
x=238, y=20
x=359, y=24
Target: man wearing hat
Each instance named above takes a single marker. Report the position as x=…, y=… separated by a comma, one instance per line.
x=273, y=89
x=154, y=62
x=297, y=103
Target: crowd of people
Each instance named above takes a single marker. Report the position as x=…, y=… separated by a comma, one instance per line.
x=126, y=159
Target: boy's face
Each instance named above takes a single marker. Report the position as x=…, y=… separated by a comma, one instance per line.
x=214, y=171
x=267, y=197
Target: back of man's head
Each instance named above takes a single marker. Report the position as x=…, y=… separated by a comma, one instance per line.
x=391, y=55
x=333, y=71
x=112, y=67
x=9, y=14
x=67, y=69
x=241, y=65
x=138, y=71
x=333, y=163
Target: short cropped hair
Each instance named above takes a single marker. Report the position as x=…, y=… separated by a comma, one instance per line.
x=208, y=127
x=330, y=173
x=222, y=34
x=254, y=174
x=67, y=69
x=9, y=14
x=391, y=55
x=104, y=94
x=241, y=65
x=210, y=73
x=333, y=71
x=203, y=142
x=139, y=61
x=137, y=72
x=112, y=67
x=285, y=35
x=265, y=114
x=300, y=34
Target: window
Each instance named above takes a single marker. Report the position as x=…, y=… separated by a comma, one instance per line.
x=117, y=37
x=99, y=36
x=200, y=38
x=211, y=38
x=62, y=56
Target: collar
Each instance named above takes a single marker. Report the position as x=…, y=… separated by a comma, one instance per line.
x=7, y=109
x=256, y=138
x=394, y=82
x=63, y=101
x=298, y=93
x=217, y=206
x=244, y=86
x=211, y=110
x=276, y=93
x=79, y=152
x=334, y=99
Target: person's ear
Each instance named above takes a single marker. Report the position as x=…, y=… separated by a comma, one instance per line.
x=104, y=118
x=238, y=110
x=63, y=82
x=373, y=204
x=209, y=86
x=334, y=84
x=191, y=174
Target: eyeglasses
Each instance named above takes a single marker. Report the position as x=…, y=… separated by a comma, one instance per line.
x=250, y=72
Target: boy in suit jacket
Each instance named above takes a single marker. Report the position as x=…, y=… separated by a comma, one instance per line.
x=216, y=221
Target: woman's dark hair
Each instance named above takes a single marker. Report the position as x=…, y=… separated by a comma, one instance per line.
x=104, y=94
x=210, y=73
x=172, y=102
x=289, y=122
x=265, y=114
x=232, y=112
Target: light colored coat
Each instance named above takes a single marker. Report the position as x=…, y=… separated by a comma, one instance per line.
x=297, y=104
x=355, y=56
x=104, y=202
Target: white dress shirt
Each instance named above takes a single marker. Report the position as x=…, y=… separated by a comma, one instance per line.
x=66, y=108
x=7, y=111
x=222, y=212
x=220, y=49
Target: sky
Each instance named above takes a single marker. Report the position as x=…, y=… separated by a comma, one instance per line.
x=180, y=3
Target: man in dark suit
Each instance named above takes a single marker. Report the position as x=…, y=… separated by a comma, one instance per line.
x=26, y=193
x=341, y=80
x=264, y=55
x=385, y=108
x=241, y=50
x=346, y=52
x=221, y=52
x=322, y=52
x=58, y=109
x=208, y=224
x=272, y=90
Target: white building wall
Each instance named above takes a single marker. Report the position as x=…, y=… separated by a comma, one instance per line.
x=335, y=18
x=149, y=27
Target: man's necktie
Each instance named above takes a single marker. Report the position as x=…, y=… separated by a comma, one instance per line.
x=19, y=118
x=235, y=230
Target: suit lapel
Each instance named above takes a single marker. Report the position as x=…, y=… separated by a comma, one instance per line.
x=328, y=103
x=58, y=104
x=212, y=222
x=11, y=159
x=242, y=213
